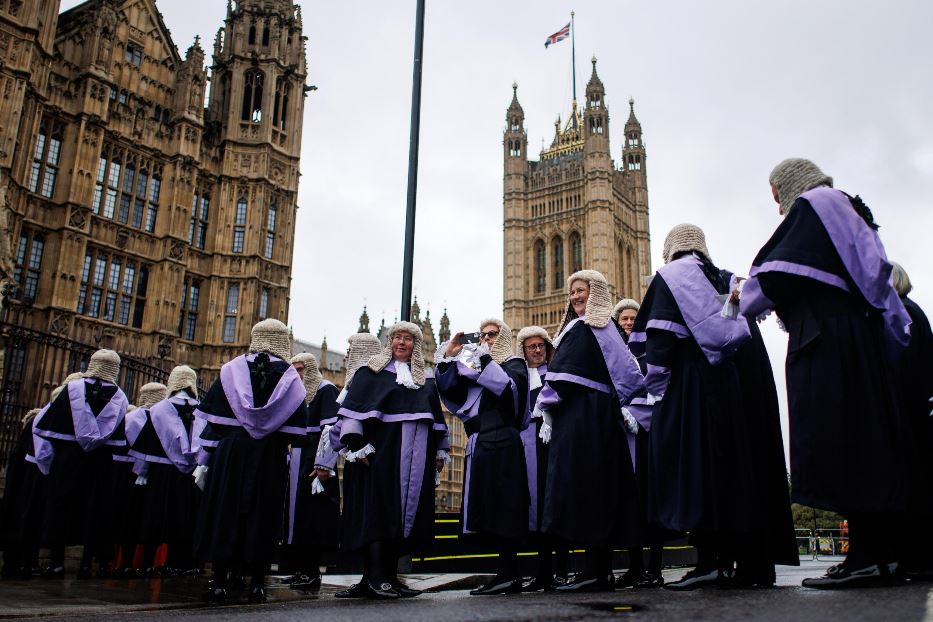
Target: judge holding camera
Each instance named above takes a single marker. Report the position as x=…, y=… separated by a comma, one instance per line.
x=486, y=386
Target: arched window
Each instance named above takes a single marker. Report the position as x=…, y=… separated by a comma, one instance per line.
x=252, y=35
x=252, y=96
x=265, y=36
x=576, y=252
x=557, y=251
x=540, y=267
x=280, y=110
x=239, y=225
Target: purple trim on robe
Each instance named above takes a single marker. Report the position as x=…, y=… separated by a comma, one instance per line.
x=529, y=406
x=141, y=457
x=90, y=432
x=328, y=458
x=294, y=466
x=863, y=256
x=623, y=368
x=678, y=329
x=657, y=379
x=638, y=337
x=467, y=464
x=548, y=398
x=177, y=442
x=383, y=417
x=140, y=467
x=449, y=379
x=43, y=450
x=790, y=267
x=530, y=442
x=133, y=424
x=555, y=376
x=494, y=378
x=699, y=303
x=411, y=470
x=752, y=301
x=32, y=459
x=342, y=428
x=642, y=413
x=120, y=458
x=260, y=422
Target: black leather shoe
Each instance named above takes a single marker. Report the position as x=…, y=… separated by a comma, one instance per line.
x=649, y=581
x=841, y=577
x=581, y=584
x=295, y=578
x=547, y=584
x=404, y=591
x=694, y=580
x=256, y=596
x=357, y=590
x=215, y=596
x=382, y=591
x=58, y=572
x=307, y=583
x=499, y=586
x=629, y=579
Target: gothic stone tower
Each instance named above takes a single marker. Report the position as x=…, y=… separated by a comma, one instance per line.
x=142, y=217
x=572, y=209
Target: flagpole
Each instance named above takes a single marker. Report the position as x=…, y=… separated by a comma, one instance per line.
x=573, y=56
x=408, y=262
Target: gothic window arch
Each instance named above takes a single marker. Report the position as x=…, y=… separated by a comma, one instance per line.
x=576, y=252
x=252, y=34
x=540, y=267
x=557, y=260
x=265, y=36
x=253, y=81
x=280, y=109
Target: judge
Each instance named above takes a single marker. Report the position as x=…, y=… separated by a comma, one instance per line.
x=535, y=346
x=256, y=408
x=915, y=381
x=74, y=432
x=593, y=384
x=311, y=519
x=825, y=272
x=623, y=314
x=392, y=432
x=488, y=392
x=24, y=499
x=703, y=463
x=132, y=556
x=162, y=438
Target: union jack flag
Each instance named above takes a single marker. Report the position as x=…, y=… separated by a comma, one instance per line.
x=560, y=35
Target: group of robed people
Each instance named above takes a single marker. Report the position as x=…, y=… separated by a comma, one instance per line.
x=636, y=424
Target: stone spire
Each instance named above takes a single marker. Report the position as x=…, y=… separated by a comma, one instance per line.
x=364, y=322
x=444, y=333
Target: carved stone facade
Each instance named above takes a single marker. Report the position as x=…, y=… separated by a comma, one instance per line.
x=573, y=208
x=148, y=212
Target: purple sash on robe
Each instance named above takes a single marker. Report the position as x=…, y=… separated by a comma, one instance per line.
x=177, y=442
x=718, y=337
x=90, y=432
x=134, y=424
x=44, y=451
x=259, y=421
x=862, y=253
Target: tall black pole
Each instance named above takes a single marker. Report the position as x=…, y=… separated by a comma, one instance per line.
x=413, y=165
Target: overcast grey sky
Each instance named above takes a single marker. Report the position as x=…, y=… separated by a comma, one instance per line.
x=723, y=89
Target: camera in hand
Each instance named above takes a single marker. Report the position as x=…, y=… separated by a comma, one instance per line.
x=469, y=338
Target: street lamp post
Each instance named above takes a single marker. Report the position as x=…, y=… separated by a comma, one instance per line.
x=408, y=264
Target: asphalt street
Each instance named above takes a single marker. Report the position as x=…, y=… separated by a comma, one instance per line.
x=788, y=601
